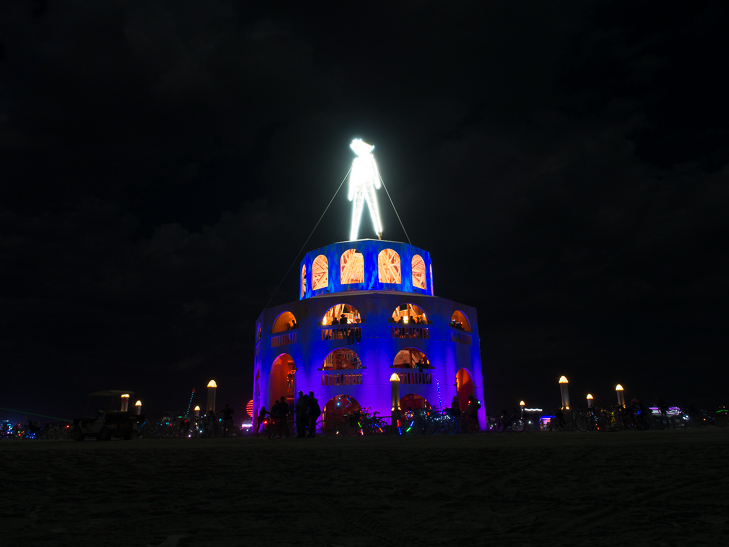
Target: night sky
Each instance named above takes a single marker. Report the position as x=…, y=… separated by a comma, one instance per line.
x=162, y=165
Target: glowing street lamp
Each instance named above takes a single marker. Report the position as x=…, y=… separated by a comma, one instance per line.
x=564, y=390
x=620, y=392
x=522, y=404
x=363, y=181
x=589, y=400
x=196, y=410
x=125, y=402
x=395, y=412
x=212, y=388
x=138, y=408
x=395, y=385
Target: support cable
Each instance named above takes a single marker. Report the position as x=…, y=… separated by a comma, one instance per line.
x=308, y=238
x=393, y=206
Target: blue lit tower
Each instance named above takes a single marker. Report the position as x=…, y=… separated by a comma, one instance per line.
x=366, y=310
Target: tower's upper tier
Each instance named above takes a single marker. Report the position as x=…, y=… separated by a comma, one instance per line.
x=366, y=265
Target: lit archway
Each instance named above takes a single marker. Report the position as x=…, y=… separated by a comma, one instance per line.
x=336, y=410
x=343, y=313
x=413, y=401
x=419, y=280
x=411, y=358
x=342, y=359
x=460, y=321
x=320, y=273
x=351, y=267
x=285, y=321
x=283, y=379
x=388, y=266
x=464, y=387
x=407, y=314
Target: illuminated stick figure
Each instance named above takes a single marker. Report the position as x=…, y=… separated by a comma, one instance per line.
x=362, y=184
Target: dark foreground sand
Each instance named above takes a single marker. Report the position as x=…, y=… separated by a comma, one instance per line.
x=582, y=489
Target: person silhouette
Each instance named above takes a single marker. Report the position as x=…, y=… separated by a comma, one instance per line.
x=363, y=181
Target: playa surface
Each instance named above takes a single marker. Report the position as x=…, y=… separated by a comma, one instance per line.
x=558, y=488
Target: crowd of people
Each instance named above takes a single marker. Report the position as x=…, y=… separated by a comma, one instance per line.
x=306, y=411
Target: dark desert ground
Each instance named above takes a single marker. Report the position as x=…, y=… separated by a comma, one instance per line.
x=557, y=488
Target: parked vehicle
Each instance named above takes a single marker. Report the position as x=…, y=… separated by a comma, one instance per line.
x=106, y=424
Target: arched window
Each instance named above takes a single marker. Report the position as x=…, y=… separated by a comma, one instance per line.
x=285, y=321
x=319, y=273
x=303, y=281
x=343, y=313
x=409, y=314
x=460, y=321
x=413, y=401
x=352, y=267
x=258, y=333
x=283, y=373
x=411, y=358
x=388, y=266
x=342, y=359
x=419, y=280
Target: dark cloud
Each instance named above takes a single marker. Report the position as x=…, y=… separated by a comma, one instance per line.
x=163, y=163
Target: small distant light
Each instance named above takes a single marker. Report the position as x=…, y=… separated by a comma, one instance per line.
x=589, y=396
x=618, y=388
x=563, y=380
x=212, y=383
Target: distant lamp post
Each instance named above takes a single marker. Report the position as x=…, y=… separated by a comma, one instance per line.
x=196, y=410
x=564, y=390
x=125, y=402
x=212, y=388
x=138, y=408
x=395, y=412
x=522, y=404
x=621, y=395
x=589, y=400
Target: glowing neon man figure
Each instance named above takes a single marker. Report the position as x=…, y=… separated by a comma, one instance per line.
x=362, y=184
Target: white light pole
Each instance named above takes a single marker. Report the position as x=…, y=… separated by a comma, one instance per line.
x=212, y=387
x=125, y=402
x=589, y=400
x=522, y=404
x=621, y=395
x=395, y=412
x=564, y=390
x=138, y=408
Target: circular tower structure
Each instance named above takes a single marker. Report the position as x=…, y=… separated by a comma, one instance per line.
x=366, y=310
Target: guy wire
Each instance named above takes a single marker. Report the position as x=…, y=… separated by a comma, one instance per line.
x=308, y=238
x=395, y=209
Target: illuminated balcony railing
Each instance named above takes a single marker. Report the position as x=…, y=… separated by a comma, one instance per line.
x=342, y=333
x=283, y=339
x=342, y=378
x=410, y=332
x=420, y=378
x=461, y=337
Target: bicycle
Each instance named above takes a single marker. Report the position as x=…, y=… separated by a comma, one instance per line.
x=372, y=425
